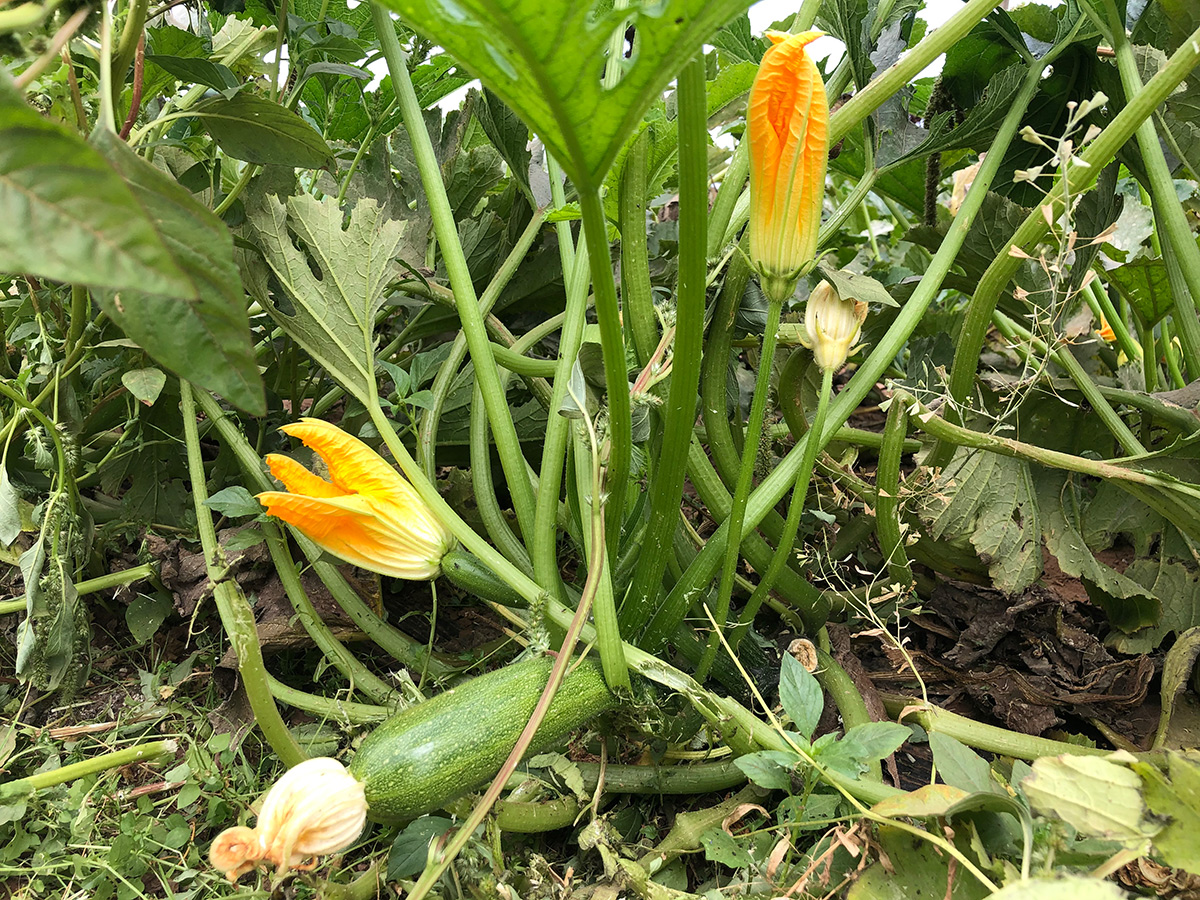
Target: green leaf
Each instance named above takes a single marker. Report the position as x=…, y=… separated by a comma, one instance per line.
x=330, y=316
x=508, y=135
x=1145, y=285
x=66, y=214
x=234, y=502
x=196, y=71
x=978, y=129
x=990, y=500
x=860, y=287
x=144, y=384
x=960, y=766
x=770, y=769
x=801, y=695
x=410, y=850
x=720, y=847
x=1097, y=797
x=863, y=745
x=916, y=871
x=845, y=20
x=10, y=510
x=545, y=59
x=257, y=130
x=145, y=615
x=202, y=333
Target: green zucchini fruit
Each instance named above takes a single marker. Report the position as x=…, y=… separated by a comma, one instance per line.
x=467, y=571
x=431, y=753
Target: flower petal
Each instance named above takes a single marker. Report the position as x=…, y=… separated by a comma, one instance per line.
x=353, y=466
x=298, y=479
x=352, y=529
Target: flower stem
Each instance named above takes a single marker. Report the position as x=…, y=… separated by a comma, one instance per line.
x=791, y=526
x=741, y=493
x=887, y=504
x=116, y=579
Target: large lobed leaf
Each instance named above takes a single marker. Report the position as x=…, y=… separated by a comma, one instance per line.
x=546, y=58
x=330, y=303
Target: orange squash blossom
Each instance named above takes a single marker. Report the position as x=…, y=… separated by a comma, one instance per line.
x=366, y=513
x=788, y=127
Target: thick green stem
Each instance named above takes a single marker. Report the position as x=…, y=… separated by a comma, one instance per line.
x=887, y=504
x=679, y=411
x=727, y=196
x=619, y=440
x=636, y=291
x=1079, y=178
x=116, y=579
x=93, y=766
x=775, y=485
x=237, y=617
x=957, y=436
x=981, y=736
x=448, y=371
x=135, y=23
x=328, y=707
x=1171, y=220
x=503, y=430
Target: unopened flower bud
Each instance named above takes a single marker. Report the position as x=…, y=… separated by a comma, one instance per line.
x=833, y=326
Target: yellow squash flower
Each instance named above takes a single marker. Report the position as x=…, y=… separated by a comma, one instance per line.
x=1106, y=332
x=787, y=124
x=832, y=326
x=366, y=513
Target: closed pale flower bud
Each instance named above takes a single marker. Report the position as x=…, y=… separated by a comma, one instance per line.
x=366, y=513
x=315, y=809
x=833, y=326
x=787, y=123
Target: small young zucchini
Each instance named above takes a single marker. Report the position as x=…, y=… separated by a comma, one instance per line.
x=431, y=753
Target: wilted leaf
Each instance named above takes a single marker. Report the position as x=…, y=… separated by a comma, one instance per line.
x=1097, y=797
x=929, y=801
x=990, y=499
